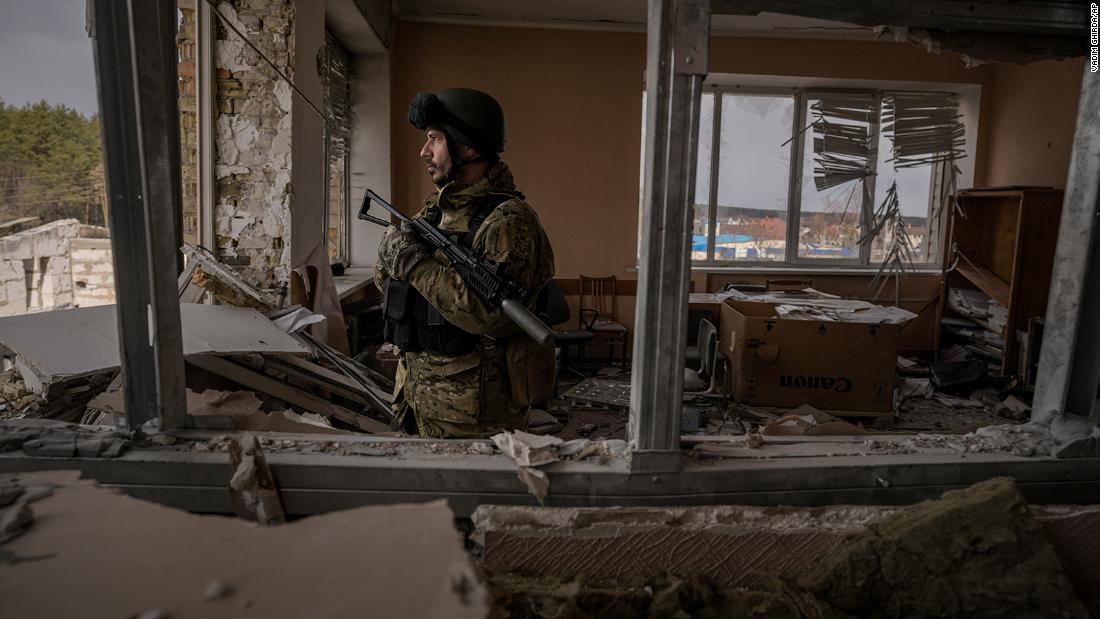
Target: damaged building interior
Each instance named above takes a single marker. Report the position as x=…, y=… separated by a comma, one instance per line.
x=821, y=347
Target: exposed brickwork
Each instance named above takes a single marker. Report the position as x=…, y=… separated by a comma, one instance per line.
x=185, y=47
x=253, y=136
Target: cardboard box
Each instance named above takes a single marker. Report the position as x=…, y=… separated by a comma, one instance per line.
x=787, y=363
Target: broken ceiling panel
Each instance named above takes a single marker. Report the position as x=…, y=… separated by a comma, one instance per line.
x=79, y=342
x=111, y=555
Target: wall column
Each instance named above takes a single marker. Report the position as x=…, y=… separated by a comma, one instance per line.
x=676, y=63
x=1069, y=362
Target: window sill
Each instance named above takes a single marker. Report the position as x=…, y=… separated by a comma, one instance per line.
x=353, y=280
x=855, y=270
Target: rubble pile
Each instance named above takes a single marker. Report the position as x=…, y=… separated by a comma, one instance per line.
x=252, y=364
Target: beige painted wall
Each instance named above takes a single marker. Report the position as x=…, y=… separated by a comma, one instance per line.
x=1032, y=115
x=573, y=103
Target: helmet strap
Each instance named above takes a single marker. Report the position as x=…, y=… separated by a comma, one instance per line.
x=457, y=161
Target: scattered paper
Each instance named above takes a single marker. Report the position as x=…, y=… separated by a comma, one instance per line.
x=297, y=320
x=533, y=450
x=537, y=482
x=528, y=449
x=809, y=421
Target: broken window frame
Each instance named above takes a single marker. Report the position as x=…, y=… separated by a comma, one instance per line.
x=800, y=128
x=338, y=128
x=206, y=117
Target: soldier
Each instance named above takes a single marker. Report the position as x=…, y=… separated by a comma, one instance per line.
x=464, y=370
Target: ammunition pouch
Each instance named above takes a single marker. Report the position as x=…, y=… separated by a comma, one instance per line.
x=532, y=371
x=412, y=324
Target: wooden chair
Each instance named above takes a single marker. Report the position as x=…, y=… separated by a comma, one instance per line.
x=597, y=314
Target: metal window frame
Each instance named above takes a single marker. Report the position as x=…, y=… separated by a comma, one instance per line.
x=712, y=199
x=801, y=95
x=343, y=240
x=205, y=93
x=136, y=79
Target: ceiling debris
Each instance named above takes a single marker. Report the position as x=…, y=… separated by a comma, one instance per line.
x=313, y=567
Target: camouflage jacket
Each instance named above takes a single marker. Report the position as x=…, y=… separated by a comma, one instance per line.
x=469, y=395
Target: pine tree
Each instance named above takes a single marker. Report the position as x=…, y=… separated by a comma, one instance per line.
x=49, y=155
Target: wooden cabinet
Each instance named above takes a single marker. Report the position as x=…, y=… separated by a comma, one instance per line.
x=1000, y=243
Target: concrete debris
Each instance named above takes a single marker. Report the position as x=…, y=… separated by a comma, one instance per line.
x=218, y=590
x=1014, y=409
x=52, y=439
x=1027, y=440
x=63, y=401
x=242, y=409
x=174, y=555
x=16, y=515
x=14, y=519
x=252, y=486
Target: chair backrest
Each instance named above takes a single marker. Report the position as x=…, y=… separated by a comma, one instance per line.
x=708, y=346
x=557, y=308
x=695, y=316
x=598, y=293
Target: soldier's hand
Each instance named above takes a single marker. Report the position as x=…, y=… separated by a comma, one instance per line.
x=401, y=250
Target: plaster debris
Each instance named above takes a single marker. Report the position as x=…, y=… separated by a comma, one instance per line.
x=531, y=451
x=218, y=590
x=1025, y=440
x=1013, y=408
x=253, y=135
x=423, y=559
x=252, y=487
x=44, y=438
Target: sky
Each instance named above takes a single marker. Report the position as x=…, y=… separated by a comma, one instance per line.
x=45, y=53
x=754, y=163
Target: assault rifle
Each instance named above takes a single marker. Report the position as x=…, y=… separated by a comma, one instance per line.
x=486, y=279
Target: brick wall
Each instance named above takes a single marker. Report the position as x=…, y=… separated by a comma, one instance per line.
x=185, y=46
x=253, y=138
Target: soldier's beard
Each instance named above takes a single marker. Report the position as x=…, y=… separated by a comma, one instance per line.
x=441, y=174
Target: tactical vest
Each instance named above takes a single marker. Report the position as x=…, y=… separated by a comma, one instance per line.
x=413, y=324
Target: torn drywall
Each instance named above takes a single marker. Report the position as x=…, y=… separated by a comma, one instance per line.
x=253, y=138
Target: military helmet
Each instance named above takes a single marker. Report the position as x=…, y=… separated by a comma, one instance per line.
x=469, y=116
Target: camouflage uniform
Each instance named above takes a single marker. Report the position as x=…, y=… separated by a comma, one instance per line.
x=468, y=395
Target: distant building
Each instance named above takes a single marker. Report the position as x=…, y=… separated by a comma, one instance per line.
x=57, y=265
